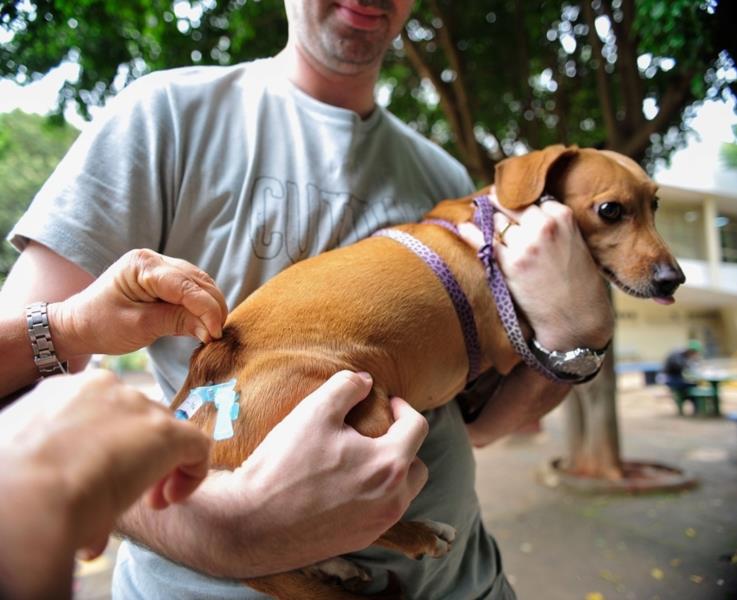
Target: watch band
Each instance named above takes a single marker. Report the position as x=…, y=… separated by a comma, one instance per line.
x=39, y=333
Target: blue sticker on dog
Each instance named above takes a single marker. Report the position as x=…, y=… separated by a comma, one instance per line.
x=225, y=399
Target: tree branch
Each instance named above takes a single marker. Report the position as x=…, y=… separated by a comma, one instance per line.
x=631, y=83
x=603, y=89
x=529, y=127
x=673, y=100
x=414, y=54
x=462, y=106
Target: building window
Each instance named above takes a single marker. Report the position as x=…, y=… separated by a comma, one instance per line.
x=728, y=235
x=683, y=230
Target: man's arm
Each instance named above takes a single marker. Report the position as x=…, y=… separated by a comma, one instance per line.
x=557, y=286
x=38, y=275
x=77, y=451
x=522, y=397
x=140, y=298
x=295, y=487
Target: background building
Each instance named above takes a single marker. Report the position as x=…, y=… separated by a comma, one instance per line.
x=698, y=219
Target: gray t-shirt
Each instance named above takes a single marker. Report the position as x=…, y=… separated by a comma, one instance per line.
x=239, y=172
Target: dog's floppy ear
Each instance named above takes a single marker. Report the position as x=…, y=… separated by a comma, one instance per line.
x=520, y=180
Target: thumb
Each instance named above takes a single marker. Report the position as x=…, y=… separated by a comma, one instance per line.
x=338, y=395
x=172, y=319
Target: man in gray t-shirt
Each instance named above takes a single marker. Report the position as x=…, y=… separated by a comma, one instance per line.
x=243, y=171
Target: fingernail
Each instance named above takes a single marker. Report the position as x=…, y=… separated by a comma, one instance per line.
x=365, y=376
x=202, y=334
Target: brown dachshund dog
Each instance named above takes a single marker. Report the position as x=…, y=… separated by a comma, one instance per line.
x=351, y=308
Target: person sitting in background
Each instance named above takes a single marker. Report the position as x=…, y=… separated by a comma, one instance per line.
x=678, y=367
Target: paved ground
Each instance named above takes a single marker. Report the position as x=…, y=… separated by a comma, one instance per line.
x=558, y=545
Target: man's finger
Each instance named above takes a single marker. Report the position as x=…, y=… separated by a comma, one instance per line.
x=207, y=282
x=409, y=429
x=512, y=215
x=338, y=395
x=176, y=287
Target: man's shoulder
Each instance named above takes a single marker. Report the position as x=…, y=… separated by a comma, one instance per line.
x=427, y=156
x=198, y=84
x=422, y=147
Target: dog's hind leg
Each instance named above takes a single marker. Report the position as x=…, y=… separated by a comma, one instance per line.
x=416, y=539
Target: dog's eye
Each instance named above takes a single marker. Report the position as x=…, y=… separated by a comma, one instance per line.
x=610, y=211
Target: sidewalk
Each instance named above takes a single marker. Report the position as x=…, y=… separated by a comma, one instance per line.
x=561, y=546
x=558, y=545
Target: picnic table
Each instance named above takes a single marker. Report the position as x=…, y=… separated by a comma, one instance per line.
x=705, y=393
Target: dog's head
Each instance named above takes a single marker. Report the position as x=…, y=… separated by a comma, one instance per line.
x=614, y=203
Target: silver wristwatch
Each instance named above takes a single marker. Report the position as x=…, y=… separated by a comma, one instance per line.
x=39, y=333
x=578, y=365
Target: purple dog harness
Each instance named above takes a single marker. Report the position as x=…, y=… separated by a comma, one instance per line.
x=484, y=220
x=450, y=283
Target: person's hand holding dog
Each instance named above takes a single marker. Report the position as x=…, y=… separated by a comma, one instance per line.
x=552, y=276
x=295, y=499
x=138, y=299
x=334, y=474
x=557, y=285
x=150, y=296
x=78, y=451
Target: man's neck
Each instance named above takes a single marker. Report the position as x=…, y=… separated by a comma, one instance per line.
x=351, y=91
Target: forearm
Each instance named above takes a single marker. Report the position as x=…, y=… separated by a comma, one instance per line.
x=523, y=396
x=17, y=369
x=201, y=534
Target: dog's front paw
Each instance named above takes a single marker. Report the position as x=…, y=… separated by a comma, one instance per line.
x=347, y=573
x=444, y=536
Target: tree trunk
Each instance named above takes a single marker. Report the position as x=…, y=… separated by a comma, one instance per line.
x=592, y=430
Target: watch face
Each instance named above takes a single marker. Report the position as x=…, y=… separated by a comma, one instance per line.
x=577, y=363
x=584, y=363
x=580, y=362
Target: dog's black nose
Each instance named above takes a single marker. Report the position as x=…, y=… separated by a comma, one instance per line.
x=667, y=278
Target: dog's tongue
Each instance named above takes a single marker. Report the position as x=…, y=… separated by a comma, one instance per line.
x=664, y=299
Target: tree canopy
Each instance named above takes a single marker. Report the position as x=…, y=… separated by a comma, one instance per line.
x=483, y=80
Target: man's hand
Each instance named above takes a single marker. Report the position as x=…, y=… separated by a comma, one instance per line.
x=89, y=446
x=294, y=501
x=553, y=278
x=141, y=297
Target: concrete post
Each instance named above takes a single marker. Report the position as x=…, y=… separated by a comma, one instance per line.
x=713, y=244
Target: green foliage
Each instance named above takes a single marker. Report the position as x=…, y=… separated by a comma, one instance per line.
x=540, y=72
x=728, y=152
x=124, y=40
x=522, y=72
x=134, y=362
x=30, y=148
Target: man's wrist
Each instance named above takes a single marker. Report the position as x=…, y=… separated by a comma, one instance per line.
x=591, y=333
x=67, y=339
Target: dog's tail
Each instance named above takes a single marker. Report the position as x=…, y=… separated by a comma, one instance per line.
x=214, y=362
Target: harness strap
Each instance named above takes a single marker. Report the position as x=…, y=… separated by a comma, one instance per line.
x=460, y=303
